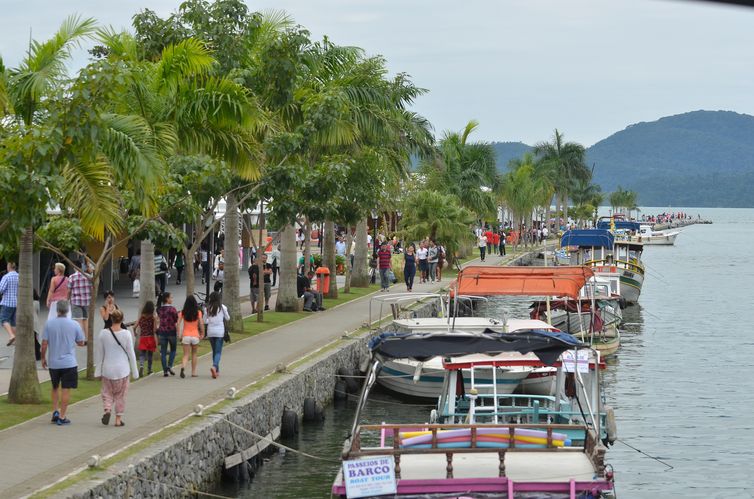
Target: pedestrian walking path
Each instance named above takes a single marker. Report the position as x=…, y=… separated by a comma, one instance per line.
x=37, y=453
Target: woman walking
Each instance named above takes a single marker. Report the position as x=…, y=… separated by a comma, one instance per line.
x=166, y=332
x=58, y=290
x=146, y=328
x=192, y=331
x=432, y=260
x=114, y=361
x=440, y=261
x=409, y=267
x=106, y=310
x=179, y=264
x=217, y=314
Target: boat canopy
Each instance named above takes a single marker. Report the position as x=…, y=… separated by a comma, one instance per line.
x=588, y=238
x=521, y=281
x=546, y=345
x=619, y=225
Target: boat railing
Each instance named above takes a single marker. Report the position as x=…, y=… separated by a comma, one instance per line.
x=633, y=267
x=476, y=442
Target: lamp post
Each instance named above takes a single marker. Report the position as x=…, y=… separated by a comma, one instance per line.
x=374, y=227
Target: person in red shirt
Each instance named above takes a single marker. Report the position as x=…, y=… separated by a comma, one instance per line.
x=495, y=242
x=384, y=257
x=489, y=235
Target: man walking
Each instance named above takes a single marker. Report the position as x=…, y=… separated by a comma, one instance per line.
x=9, y=291
x=60, y=336
x=254, y=283
x=80, y=294
x=384, y=257
x=160, y=272
x=502, y=243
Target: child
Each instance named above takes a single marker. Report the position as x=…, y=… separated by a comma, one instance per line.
x=146, y=328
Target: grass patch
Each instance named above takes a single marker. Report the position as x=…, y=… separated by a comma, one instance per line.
x=13, y=414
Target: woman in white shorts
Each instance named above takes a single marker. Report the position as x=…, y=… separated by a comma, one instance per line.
x=191, y=331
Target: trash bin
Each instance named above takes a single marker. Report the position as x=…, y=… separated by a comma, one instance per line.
x=323, y=280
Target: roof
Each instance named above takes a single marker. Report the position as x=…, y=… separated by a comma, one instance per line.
x=521, y=281
x=546, y=345
x=597, y=238
x=619, y=224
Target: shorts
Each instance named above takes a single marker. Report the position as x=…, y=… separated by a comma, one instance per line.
x=423, y=265
x=79, y=312
x=66, y=378
x=8, y=314
x=190, y=340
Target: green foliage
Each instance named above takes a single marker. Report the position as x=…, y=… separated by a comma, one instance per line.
x=62, y=232
x=438, y=216
x=464, y=169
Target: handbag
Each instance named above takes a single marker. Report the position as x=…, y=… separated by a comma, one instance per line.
x=391, y=276
x=226, y=332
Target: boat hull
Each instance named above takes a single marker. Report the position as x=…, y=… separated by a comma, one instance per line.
x=398, y=376
x=630, y=285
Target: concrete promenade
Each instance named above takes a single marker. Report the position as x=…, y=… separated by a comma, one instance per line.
x=37, y=453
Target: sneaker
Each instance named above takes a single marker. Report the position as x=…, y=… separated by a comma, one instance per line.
x=213, y=372
x=63, y=421
x=165, y=374
x=170, y=370
x=106, y=418
x=55, y=417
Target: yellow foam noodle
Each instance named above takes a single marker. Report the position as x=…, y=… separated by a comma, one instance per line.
x=501, y=436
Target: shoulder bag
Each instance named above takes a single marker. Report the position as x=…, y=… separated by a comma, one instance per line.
x=119, y=343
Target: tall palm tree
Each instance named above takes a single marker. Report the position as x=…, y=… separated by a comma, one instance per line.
x=94, y=150
x=428, y=213
x=568, y=161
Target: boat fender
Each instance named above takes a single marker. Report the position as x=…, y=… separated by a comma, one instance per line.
x=610, y=426
x=433, y=417
x=341, y=392
x=289, y=423
x=352, y=385
x=310, y=409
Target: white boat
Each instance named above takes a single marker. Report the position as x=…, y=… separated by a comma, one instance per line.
x=424, y=379
x=656, y=238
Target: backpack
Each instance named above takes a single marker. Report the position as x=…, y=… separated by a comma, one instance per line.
x=163, y=265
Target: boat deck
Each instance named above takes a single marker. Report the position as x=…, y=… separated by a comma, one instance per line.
x=520, y=466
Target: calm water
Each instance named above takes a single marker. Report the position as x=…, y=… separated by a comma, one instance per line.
x=681, y=386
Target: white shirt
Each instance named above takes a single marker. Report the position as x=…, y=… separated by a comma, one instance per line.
x=340, y=248
x=215, y=327
x=482, y=241
x=421, y=253
x=110, y=361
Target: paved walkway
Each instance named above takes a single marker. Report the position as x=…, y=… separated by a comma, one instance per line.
x=37, y=453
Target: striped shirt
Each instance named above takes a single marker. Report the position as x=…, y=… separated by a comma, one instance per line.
x=9, y=289
x=385, y=257
x=81, y=289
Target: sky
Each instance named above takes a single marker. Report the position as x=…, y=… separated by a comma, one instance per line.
x=520, y=67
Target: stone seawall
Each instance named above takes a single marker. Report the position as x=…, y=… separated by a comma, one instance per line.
x=193, y=458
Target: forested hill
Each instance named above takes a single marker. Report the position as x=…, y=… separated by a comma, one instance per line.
x=701, y=158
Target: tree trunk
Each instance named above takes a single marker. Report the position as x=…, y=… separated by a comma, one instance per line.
x=360, y=271
x=190, y=276
x=24, y=383
x=328, y=257
x=92, y=311
x=232, y=271
x=307, y=245
x=565, y=206
x=260, y=265
x=146, y=278
x=287, y=300
x=347, y=266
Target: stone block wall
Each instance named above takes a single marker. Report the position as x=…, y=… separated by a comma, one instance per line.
x=194, y=457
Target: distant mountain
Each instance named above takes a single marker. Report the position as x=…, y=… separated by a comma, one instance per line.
x=701, y=158
x=507, y=151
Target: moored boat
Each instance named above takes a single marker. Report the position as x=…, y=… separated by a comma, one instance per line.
x=474, y=459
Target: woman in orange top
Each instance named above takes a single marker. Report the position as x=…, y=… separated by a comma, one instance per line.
x=191, y=330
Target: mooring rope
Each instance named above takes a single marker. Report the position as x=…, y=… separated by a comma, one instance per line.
x=272, y=442
x=645, y=454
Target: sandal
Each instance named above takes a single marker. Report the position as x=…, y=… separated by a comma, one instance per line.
x=122, y=423
x=106, y=418
x=11, y=341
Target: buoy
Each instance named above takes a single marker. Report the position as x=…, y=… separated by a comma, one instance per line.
x=289, y=423
x=610, y=426
x=341, y=392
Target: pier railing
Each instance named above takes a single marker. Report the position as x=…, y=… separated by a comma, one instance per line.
x=353, y=447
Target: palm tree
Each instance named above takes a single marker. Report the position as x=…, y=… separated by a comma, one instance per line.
x=568, y=162
x=464, y=169
x=521, y=193
x=586, y=198
x=428, y=213
x=623, y=200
